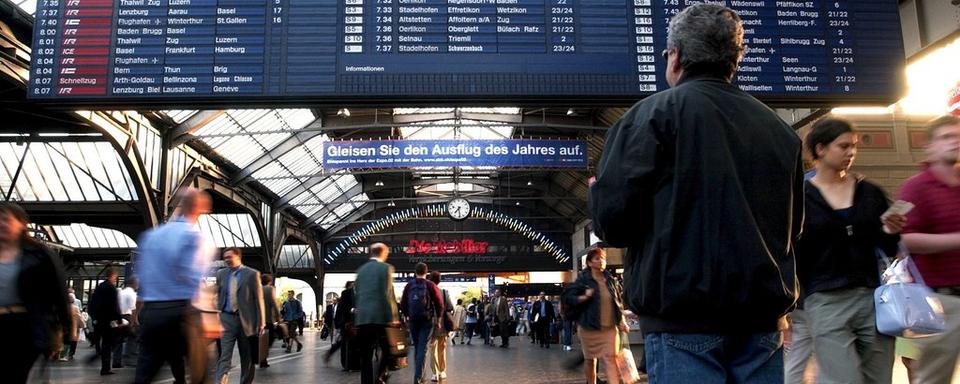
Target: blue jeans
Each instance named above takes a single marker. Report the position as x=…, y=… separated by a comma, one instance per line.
x=420, y=333
x=714, y=359
x=567, y=333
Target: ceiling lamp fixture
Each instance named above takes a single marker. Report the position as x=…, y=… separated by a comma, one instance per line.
x=518, y=203
x=571, y=112
x=391, y=204
x=379, y=183
x=343, y=112
x=529, y=183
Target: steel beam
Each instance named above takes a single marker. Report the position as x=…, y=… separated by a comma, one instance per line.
x=182, y=132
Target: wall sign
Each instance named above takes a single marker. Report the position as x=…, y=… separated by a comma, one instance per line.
x=466, y=246
x=454, y=153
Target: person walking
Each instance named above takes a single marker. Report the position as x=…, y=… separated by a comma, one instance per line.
x=292, y=314
x=33, y=299
x=271, y=317
x=473, y=319
x=837, y=266
x=376, y=309
x=105, y=311
x=500, y=314
x=346, y=330
x=125, y=334
x=601, y=316
x=171, y=262
x=72, y=336
x=543, y=314
x=932, y=235
x=459, y=322
x=240, y=300
x=703, y=184
x=422, y=304
x=438, y=340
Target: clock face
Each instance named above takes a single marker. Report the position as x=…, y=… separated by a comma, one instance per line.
x=458, y=208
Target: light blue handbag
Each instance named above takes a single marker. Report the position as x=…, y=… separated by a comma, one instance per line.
x=905, y=306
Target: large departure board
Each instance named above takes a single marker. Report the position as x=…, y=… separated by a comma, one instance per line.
x=305, y=51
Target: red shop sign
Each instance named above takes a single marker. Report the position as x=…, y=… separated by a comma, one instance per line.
x=466, y=246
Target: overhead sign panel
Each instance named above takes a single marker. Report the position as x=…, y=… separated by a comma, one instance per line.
x=301, y=52
x=454, y=153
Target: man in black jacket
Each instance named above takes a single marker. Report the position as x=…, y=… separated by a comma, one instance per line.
x=704, y=185
x=105, y=311
x=542, y=313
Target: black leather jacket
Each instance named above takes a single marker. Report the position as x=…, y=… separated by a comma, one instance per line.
x=589, y=317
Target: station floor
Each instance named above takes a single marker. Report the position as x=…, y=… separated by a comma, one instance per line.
x=468, y=364
x=522, y=363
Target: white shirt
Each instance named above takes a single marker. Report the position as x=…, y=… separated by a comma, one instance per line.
x=128, y=301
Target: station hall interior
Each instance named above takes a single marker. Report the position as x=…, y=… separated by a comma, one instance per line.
x=94, y=173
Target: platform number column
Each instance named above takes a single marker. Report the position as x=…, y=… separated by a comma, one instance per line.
x=842, y=50
x=353, y=26
x=644, y=45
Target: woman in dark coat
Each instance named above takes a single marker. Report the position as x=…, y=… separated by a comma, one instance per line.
x=599, y=302
x=33, y=297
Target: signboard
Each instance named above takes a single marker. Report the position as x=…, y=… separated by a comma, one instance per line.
x=465, y=246
x=443, y=279
x=454, y=153
x=166, y=52
x=491, y=284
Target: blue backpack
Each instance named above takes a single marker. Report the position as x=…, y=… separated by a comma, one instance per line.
x=419, y=302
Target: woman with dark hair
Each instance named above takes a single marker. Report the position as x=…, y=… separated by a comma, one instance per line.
x=837, y=263
x=601, y=316
x=33, y=300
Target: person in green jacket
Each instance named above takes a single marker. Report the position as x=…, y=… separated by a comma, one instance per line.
x=376, y=308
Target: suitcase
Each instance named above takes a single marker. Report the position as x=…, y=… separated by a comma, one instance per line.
x=352, y=353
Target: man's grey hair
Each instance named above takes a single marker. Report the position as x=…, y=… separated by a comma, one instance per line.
x=708, y=37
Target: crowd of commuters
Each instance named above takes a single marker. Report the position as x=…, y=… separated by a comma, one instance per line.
x=728, y=245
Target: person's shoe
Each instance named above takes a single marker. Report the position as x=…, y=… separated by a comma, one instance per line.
x=435, y=377
x=299, y=346
x=443, y=375
x=264, y=365
x=64, y=359
x=105, y=373
x=504, y=346
x=288, y=349
x=468, y=343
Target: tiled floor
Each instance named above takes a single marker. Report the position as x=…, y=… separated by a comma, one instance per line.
x=477, y=363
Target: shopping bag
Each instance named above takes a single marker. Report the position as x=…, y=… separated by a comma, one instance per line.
x=625, y=362
x=905, y=306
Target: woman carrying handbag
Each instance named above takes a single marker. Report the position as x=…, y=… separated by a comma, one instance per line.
x=601, y=317
x=847, y=219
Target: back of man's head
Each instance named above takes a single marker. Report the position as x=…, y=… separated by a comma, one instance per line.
x=193, y=203
x=420, y=269
x=379, y=251
x=709, y=38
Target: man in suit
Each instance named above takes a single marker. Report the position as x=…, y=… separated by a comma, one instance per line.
x=272, y=315
x=500, y=312
x=376, y=308
x=240, y=300
x=543, y=314
x=105, y=310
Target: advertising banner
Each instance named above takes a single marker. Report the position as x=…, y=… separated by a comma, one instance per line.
x=455, y=153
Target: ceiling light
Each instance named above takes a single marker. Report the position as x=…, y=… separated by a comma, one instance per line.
x=518, y=203
x=571, y=112
x=379, y=183
x=391, y=204
x=529, y=183
x=343, y=112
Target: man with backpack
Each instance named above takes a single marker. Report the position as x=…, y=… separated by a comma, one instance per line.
x=473, y=319
x=422, y=304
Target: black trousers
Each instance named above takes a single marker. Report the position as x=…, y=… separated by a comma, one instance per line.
x=542, y=329
x=19, y=352
x=108, y=337
x=370, y=336
x=170, y=332
x=505, y=333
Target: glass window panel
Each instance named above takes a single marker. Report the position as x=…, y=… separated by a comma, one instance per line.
x=32, y=185
x=66, y=171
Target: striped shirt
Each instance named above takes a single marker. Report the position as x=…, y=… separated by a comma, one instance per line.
x=937, y=211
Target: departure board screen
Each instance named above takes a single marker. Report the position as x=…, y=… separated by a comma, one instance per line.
x=117, y=52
